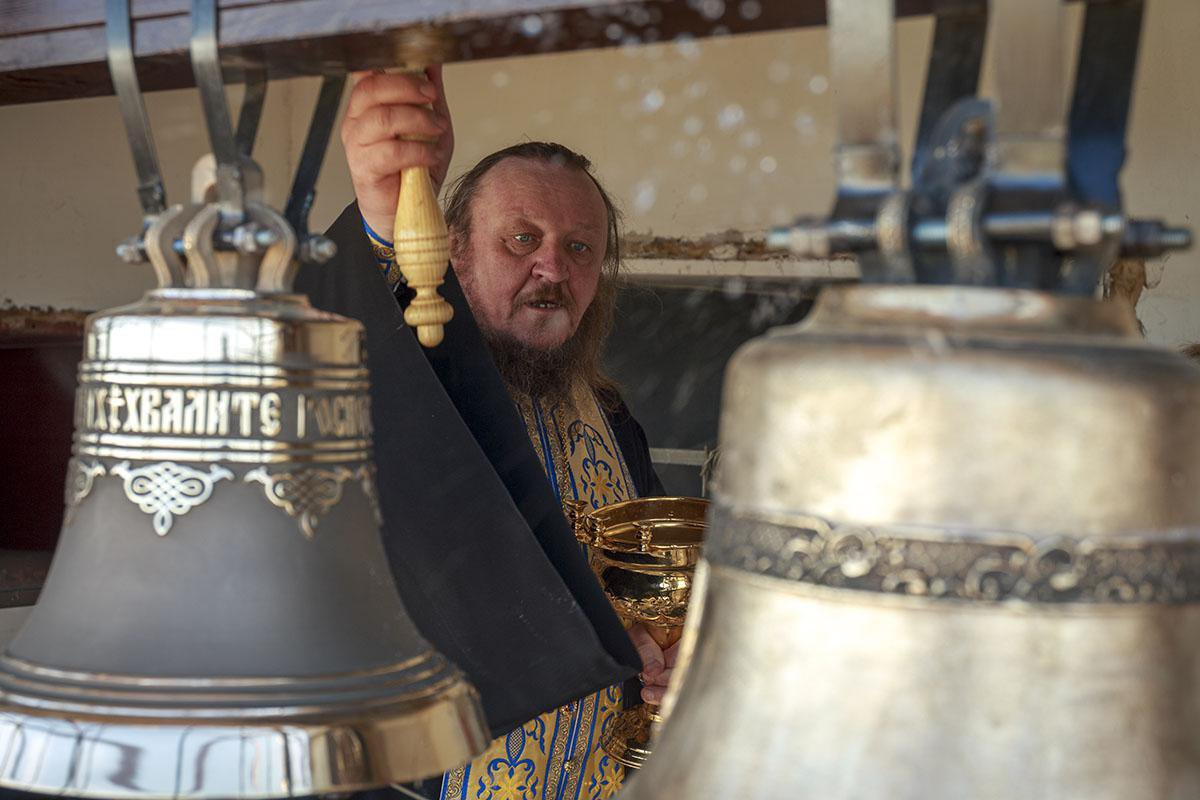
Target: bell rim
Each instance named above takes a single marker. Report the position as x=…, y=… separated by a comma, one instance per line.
x=333, y=746
x=30, y=686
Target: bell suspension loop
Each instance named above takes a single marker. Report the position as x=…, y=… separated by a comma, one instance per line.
x=313, y=248
x=206, y=65
x=152, y=196
x=250, y=114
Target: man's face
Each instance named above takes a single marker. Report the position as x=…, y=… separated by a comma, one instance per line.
x=537, y=245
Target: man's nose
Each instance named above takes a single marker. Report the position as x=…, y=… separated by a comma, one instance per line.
x=551, y=266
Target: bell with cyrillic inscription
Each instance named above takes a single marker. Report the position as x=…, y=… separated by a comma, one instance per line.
x=220, y=620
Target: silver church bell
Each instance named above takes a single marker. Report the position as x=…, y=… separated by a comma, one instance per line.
x=220, y=620
x=955, y=548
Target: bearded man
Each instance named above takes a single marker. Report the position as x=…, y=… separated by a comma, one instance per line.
x=535, y=249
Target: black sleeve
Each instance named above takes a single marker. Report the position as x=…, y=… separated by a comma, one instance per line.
x=489, y=575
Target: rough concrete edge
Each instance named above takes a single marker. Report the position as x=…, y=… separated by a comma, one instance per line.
x=39, y=323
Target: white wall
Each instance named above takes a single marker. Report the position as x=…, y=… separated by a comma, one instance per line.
x=693, y=138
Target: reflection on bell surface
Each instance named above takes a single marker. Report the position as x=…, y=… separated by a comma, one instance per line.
x=982, y=583
x=220, y=620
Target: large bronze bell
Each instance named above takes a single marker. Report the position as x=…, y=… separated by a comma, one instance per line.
x=955, y=545
x=220, y=620
x=982, y=583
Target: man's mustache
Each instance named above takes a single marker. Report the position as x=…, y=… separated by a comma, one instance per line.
x=551, y=293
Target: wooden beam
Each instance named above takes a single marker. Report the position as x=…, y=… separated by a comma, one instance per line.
x=55, y=49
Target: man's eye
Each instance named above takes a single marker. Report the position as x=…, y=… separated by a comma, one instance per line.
x=524, y=238
x=580, y=247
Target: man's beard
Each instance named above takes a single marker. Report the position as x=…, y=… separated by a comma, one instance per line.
x=546, y=374
x=549, y=373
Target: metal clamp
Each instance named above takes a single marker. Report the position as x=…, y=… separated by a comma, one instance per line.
x=152, y=195
x=226, y=237
x=862, y=66
x=997, y=198
x=119, y=27
x=314, y=248
x=206, y=66
x=250, y=113
x=166, y=229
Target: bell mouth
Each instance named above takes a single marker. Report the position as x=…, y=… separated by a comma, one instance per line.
x=970, y=308
x=127, y=736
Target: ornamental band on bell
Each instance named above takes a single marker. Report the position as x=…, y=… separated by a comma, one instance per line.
x=948, y=565
x=166, y=490
x=172, y=441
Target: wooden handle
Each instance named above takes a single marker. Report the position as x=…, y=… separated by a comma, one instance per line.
x=421, y=240
x=422, y=253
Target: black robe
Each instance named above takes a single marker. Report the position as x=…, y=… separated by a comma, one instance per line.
x=482, y=555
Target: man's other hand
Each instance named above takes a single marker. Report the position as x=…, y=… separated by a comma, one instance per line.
x=657, y=664
x=384, y=110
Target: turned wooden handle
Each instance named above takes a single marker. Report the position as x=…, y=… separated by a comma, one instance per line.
x=422, y=253
x=422, y=242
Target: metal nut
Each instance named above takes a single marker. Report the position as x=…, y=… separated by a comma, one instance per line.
x=807, y=239
x=130, y=251
x=1088, y=227
x=250, y=238
x=317, y=249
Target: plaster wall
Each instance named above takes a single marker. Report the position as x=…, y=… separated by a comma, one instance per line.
x=692, y=137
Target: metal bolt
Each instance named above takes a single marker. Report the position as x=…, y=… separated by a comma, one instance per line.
x=1176, y=238
x=250, y=238
x=1149, y=238
x=1072, y=228
x=1062, y=230
x=317, y=249
x=779, y=238
x=1088, y=227
x=130, y=251
x=1114, y=224
x=266, y=238
x=807, y=239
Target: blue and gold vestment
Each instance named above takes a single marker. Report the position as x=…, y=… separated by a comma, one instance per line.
x=557, y=755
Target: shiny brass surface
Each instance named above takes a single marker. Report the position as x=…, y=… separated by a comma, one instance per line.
x=982, y=582
x=643, y=552
x=220, y=620
x=223, y=375
x=129, y=736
